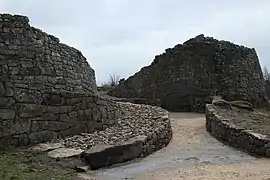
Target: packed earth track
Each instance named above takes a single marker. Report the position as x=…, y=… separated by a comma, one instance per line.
x=192, y=154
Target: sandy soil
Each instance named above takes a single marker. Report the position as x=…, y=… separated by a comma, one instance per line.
x=192, y=154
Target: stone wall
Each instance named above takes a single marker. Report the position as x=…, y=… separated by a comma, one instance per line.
x=267, y=88
x=182, y=77
x=47, y=89
x=222, y=129
x=141, y=130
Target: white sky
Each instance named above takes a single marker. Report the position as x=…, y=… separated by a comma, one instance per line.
x=122, y=36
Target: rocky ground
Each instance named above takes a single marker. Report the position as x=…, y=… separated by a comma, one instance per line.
x=252, y=120
x=135, y=120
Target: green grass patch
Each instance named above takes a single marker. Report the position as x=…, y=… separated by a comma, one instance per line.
x=23, y=165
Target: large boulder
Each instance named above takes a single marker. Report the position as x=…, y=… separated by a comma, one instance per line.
x=184, y=76
x=102, y=156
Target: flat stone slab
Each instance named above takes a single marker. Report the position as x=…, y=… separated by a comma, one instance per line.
x=102, y=156
x=45, y=147
x=64, y=153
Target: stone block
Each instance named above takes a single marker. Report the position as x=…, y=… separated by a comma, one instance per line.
x=2, y=89
x=61, y=153
x=103, y=156
x=6, y=114
x=41, y=136
x=6, y=103
x=242, y=105
x=29, y=110
x=23, y=140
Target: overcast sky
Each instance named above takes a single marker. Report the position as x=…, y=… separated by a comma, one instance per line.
x=121, y=36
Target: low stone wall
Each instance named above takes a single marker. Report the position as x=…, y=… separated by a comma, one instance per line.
x=61, y=115
x=139, y=131
x=221, y=128
x=159, y=138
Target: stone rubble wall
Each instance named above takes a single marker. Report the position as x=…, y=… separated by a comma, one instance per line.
x=184, y=76
x=140, y=131
x=156, y=134
x=267, y=87
x=133, y=120
x=47, y=89
x=223, y=130
x=158, y=139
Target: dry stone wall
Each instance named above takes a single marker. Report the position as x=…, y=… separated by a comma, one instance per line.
x=221, y=128
x=267, y=88
x=47, y=89
x=141, y=130
x=184, y=76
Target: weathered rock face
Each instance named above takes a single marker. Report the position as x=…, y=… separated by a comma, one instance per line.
x=182, y=77
x=47, y=89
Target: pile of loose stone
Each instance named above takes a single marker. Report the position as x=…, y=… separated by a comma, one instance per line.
x=139, y=131
x=135, y=120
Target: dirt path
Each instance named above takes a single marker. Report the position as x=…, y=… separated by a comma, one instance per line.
x=192, y=154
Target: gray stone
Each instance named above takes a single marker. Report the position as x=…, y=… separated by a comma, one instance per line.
x=23, y=140
x=41, y=136
x=47, y=83
x=237, y=136
x=2, y=89
x=45, y=147
x=184, y=76
x=29, y=110
x=242, y=105
x=7, y=114
x=9, y=92
x=81, y=166
x=98, y=157
x=61, y=153
x=6, y=102
x=217, y=101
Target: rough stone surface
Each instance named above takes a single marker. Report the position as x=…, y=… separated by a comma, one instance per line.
x=239, y=129
x=136, y=120
x=242, y=105
x=184, y=76
x=64, y=153
x=45, y=147
x=267, y=87
x=47, y=89
x=98, y=157
x=218, y=101
x=139, y=131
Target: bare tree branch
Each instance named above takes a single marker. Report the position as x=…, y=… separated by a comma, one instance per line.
x=114, y=79
x=266, y=74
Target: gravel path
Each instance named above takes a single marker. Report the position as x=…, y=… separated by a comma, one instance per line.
x=192, y=154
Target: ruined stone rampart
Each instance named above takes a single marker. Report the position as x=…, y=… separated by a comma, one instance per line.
x=184, y=76
x=47, y=89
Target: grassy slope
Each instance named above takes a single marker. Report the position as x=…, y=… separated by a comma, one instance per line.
x=22, y=165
